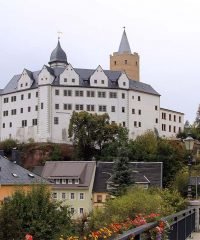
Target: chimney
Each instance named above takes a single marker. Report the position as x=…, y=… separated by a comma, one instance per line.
x=16, y=158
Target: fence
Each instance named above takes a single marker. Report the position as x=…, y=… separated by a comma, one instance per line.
x=182, y=224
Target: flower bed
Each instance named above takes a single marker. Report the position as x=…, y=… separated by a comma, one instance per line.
x=114, y=229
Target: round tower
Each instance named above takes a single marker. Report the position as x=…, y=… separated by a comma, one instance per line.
x=124, y=60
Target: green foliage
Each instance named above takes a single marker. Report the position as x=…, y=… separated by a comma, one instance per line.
x=33, y=212
x=56, y=153
x=7, y=145
x=90, y=132
x=122, y=174
x=137, y=201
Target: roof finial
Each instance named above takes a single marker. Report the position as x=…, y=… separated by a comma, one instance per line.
x=124, y=28
x=59, y=34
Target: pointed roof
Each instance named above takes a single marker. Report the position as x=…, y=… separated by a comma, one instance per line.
x=58, y=55
x=124, y=44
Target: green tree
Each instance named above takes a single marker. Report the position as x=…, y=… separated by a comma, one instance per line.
x=34, y=212
x=122, y=174
x=90, y=132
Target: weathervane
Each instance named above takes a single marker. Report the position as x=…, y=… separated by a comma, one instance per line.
x=59, y=34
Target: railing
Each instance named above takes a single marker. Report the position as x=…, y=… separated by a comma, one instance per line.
x=182, y=224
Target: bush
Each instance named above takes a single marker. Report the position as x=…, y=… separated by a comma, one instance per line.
x=7, y=145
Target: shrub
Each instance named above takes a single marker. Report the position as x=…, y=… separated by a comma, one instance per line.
x=7, y=145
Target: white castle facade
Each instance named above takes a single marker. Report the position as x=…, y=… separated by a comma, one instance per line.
x=38, y=105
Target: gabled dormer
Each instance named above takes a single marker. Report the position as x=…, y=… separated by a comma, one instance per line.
x=46, y=76
x=26, y=80
x=123, y=81
x=99, y=78
x=69, y=76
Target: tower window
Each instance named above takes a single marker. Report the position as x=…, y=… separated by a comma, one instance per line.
x=125, y=61
x=136, y=63
x=115, y=62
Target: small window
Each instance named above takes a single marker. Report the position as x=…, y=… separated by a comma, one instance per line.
x=102, y=81
x=125, y=61
x=81, y=196
x=29, y=109
x=76, y=181
x=34, y=121
x=70, y=181
x=36, y=94
x=65, y=79
x=170, y=128
x=156, y=107
x=56, y=92
x=10, y=124
x=174, y=129
x=54, y=195
x=56, y=120
x=63, y=195
x=135, y=124
x=57, y=106
x=156, y=120
x=72, y=196
x=123, y=109
x=139, y=124
x=26, y=84
x=124, y=83
x=123, y=95
x=72, y=210
x=99, y=198
x=73, y=80
x=36, y=107
x=174, y=118
x=21, y=110
x=81, y=210
x=29, y=95
x=4, y=125
x=133, y=111
x=22, y=96
x=139, y=112
x=95, y=81
x=24, y=123
x=112, y=108
x=124, y=124
x=179, y=119
x=42, y=105
x=21, y=85
x=139, y=98
x=115, y=62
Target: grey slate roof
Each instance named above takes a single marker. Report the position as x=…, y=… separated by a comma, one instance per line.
x=84, y=75
x=58, y=55
x=142, y=170
x=8, y=170
x=124, y=44
x=81, y=170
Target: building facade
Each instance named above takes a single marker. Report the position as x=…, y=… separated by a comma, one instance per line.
x=38, y=105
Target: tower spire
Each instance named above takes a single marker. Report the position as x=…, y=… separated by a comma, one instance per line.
x=124, y=44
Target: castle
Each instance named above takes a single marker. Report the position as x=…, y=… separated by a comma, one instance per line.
x=38, y=105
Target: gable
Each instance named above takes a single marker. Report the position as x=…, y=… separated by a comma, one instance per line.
x=69, y=76
x=45, y=77
x=99, y=78
x=25, y=81
x=123, y=81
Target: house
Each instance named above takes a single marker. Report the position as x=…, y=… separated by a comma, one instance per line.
x=13, y=177
x=145, y=174
x=72, y=183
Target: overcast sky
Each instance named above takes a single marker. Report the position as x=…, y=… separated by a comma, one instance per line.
x=165, y=33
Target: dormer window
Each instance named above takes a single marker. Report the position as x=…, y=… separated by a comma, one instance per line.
x=95, y=81
x=76, y=181
x=124, y=83
x=15, y=175
x=63, y=181
x=69, y=181
x=73, y=80
x=57, y=181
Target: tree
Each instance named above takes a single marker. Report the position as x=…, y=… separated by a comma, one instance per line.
x=122, y=174
x=90, y=132
x=34, y=212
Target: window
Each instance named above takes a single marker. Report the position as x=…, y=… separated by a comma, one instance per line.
x=123, y=109
x=115, y=62
x=65, y=79
x=72, y=210
x=24, y=123
x=67, y=106
x=163, y=127
x=156, y=120
x=56, y=120
x=29, y=95
x=179, y=129
x=174, y=129
x=63, y=181
x=156, y=107
x=170, y=117
x=112, y=122
x=36, y=107
x=102, y=81
x=13, y=111
x=58, y=181
x=56, y=92
x=81, y=210
x=125, y=61
x=76, y=181
x=70, y=181
x=99, y=198
x=13, y=99
x=34, y=121
x=29, y=109
x=132, y=97
x=10, y=124
x=36, y=94
x=73, y=80
x=63, y=195
x=72, y=196
x=112, y=108
x=56, y=106
x=5, y=113
x=174, y=118
x=179, y=119
x=139, y=112
x=112, y=94
x=124, y=124
x=124, y=83
x=123, y=95
x=101, y=94
x=21, y=110
x=102, y=108
x=54, y=195
x=5, y=100
x=133, y=110
x=170, y=128
x=139, y=98
x=4, y=125
x=95, y=81
x=26, y=84
x=21, y=85
x=22, y=96
x=139, y=124
x=90, y=108
x=163, y=115
x=67, y=93
x=42, y=105
x=135, y=124
x=81, y=196
x=79, y=107
x=90, y=94
x=79, y=93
